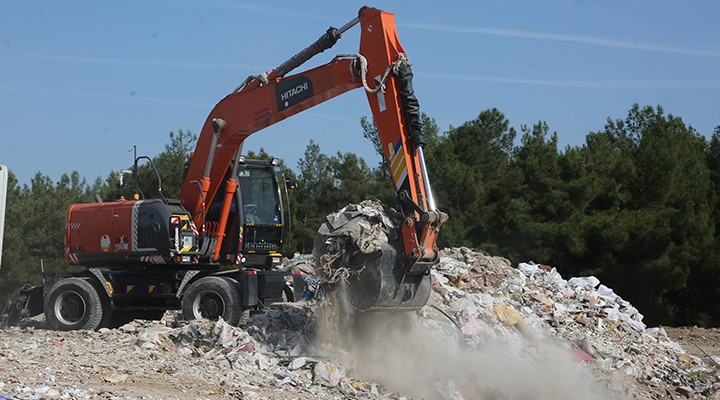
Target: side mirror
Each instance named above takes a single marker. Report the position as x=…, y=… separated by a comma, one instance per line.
x=122, y=183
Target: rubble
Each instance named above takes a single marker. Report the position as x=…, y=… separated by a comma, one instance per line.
x=593, y=323
x=489, y=331
x=327, y=374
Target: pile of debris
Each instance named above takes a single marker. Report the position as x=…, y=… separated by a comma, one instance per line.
x=489, y=332
x=528, y=313
x=489, y=300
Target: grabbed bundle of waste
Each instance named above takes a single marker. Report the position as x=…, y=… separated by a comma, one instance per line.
x=363, y=227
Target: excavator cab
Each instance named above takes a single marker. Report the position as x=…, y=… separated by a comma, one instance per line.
x=259, y=192
x=259, y=223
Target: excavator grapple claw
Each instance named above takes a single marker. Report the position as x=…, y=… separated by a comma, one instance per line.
x=382, y=285
x=361, y=246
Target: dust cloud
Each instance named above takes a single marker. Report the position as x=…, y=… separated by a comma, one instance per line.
x=409, y=352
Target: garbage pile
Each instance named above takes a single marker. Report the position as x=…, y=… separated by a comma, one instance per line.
x=490, y=331
x=489, y=300
x=268, y=353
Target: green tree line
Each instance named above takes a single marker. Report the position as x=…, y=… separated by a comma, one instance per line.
x=637, y=204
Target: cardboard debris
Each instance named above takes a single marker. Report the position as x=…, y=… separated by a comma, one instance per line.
x=507, y=315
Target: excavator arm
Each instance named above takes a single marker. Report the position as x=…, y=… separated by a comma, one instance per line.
x=381, y=67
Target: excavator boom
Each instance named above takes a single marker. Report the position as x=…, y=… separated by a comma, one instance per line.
x=382, y=68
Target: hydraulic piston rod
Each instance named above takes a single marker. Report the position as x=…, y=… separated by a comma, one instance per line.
x=426, y=179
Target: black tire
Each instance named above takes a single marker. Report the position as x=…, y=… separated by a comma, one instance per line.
x=289, y=294
x=73, y=304
x=212, y=297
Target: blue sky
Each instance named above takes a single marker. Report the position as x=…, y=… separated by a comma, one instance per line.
x=81, y=82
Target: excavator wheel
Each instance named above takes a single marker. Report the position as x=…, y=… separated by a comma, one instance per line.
x=214, y=297
x=74, y=303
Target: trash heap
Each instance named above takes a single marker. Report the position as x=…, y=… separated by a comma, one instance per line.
x=531, y=313
x=486, y=317
x=490, y=331
x=273, y=351
x=490, y=300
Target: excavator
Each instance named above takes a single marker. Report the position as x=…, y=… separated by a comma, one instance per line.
x=213, y=251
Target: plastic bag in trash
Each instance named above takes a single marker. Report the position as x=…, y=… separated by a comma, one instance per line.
x=589, y=282
x=311, y=288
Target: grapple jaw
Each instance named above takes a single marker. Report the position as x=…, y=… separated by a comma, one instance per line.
x=362, y=246
x=382, y=284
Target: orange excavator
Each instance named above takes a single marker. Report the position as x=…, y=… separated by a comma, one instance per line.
x=213, y=251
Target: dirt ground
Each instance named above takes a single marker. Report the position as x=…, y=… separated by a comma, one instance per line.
x=699, y=342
